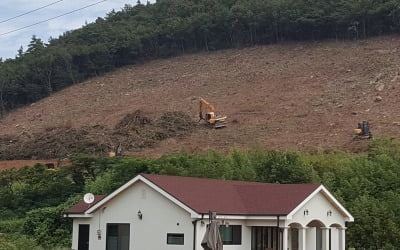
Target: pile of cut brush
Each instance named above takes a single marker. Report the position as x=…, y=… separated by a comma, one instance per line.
x=133, y=132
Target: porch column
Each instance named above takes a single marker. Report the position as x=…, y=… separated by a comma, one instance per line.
x=302, y=238
x=342, y=238
x=325, y=238
x=285, y=239
x=311, y=237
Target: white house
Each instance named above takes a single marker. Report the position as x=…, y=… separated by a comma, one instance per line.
x=155, y=212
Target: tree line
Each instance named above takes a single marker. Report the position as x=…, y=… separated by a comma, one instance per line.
x=172, y=27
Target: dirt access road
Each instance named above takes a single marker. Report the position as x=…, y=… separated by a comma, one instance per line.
x=21, y=163
x=300, y=96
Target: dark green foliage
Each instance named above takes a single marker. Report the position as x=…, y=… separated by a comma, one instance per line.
x=366, y=184
x=234, y=166
x=382, y=231
x=17, y=242
x=13, y=226
x=33, y=187
x=285, y=167
x=168, y=28
x=48, y=226
x=121, y=170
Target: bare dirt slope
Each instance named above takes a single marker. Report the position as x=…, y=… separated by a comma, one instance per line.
x=306, y=96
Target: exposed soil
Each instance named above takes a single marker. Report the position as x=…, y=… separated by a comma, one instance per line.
x=22, y=163
x=303, y=96
x=134, y=131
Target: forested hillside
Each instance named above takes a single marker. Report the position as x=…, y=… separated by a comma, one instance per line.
x=171, y=27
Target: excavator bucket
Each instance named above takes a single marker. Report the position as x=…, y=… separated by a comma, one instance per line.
x=220, y=124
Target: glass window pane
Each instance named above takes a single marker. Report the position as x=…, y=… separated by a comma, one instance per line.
x=112, y=243
x=123, y=237
x=231, y=235
x=175, y=239
x=112, y=230
x=118, y=236
x=237, y=235
x=226, y=233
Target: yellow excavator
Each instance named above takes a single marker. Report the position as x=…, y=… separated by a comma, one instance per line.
x=207, y=113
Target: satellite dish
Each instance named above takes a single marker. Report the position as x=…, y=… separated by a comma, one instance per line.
x=88, y=198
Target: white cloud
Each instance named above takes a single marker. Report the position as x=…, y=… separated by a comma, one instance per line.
x=10, y=43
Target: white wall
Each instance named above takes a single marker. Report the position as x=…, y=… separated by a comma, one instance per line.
x=160, y=216
x=317, y=208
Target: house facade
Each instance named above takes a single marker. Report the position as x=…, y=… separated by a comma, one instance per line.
x=155, y=212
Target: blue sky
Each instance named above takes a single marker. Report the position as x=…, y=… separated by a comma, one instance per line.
x=10, y=43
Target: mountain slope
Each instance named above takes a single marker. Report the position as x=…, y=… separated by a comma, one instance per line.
x=296, y=96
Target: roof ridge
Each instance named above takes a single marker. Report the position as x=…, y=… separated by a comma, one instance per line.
x=228, y=180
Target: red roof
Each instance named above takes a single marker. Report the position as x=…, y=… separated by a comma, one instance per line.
x=233, y=197
x=81, y=206
x=225, y=197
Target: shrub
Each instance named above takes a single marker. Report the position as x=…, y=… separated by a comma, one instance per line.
x=48, y=226
x=17, y=242
x=11, y=226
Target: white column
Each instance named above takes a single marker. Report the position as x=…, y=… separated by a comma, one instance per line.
x=342, y=238
x=325, y=238
x=335, y=238
x=311, y=238
x=302, y=238
x=285, y=238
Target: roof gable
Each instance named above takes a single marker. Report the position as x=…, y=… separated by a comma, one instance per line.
x=329, y=197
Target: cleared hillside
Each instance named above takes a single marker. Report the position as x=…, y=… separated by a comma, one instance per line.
x=306, y=96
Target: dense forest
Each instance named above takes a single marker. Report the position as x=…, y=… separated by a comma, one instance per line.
x=34, y=198
x=172, y=27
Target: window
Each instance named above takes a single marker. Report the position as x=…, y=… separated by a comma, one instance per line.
x=231, y=235
x=117, y=237
x=264, y=238
x=175, y=239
